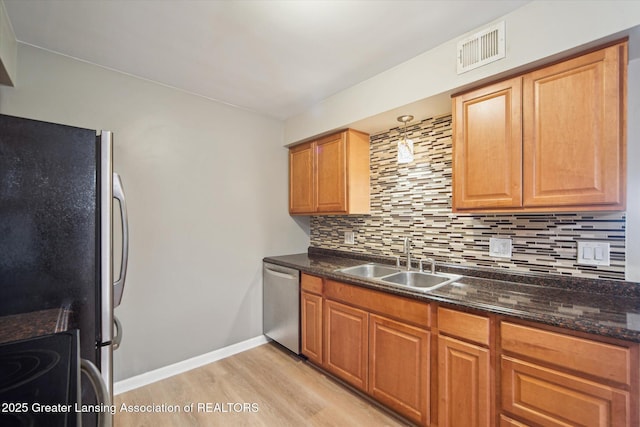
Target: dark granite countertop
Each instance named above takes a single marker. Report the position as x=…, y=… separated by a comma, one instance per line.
x=607, y=308
x=33, y=324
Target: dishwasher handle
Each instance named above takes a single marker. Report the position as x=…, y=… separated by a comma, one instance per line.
x=281, y=274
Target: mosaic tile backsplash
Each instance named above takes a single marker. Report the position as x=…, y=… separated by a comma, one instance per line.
x=414, y=200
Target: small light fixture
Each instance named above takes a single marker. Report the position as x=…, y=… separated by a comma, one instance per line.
x=405, y=145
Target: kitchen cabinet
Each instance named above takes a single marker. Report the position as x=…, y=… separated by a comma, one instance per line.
x=347, y=343
x=398, y=366
x=508, y=422
x=464, y=370
x=302, y=178
x=488, y=147
x=311, y=317
x=549, y=140
x=555, y=379
x=380, y=344
x=330, y=175
x=435, y=364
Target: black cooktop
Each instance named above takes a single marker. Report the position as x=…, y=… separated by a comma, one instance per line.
x=39, y=381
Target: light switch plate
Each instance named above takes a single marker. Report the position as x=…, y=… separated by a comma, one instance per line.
x=500, y=248
x=593, y=253
x=349, y=238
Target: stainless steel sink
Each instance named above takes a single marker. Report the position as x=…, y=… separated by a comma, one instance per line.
x=392, y=276
x=369, y=270
x=423, y=281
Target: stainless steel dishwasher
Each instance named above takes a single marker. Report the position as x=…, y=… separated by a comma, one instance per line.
x=281, y=305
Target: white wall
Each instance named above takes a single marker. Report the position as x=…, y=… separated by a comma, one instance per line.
x=536, y=31
x=207, y=191
x=8, y=48
x=633, y=173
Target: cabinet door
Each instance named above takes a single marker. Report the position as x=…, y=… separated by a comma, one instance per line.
x=301, y=179
x=508, y=422
x=311, y=312
x=399, y=367
x=346, y=343
x=332, y=179
x=573, y=115
x=487, y=148
x=464, y=384
x=552, y=398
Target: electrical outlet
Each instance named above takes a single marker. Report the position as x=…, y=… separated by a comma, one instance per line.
x=500, y=248
x=593, y=253
x=633, y=321
x=349, y=237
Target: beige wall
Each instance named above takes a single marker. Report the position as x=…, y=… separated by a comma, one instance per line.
x=207, y=191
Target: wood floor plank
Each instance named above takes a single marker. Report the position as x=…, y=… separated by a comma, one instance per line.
x=264, y=386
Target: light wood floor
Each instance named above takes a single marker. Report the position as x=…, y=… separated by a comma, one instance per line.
x=284, y=391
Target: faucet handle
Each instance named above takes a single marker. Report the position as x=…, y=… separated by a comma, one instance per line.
x=433, y=264
x=420, y=265
x=397, y=262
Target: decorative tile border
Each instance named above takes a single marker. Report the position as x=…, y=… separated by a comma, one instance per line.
x=414, y=200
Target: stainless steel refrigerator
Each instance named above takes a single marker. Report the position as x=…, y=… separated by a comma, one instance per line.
x=57, y=198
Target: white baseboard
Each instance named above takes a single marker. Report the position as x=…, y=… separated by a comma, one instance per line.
x=186, y=365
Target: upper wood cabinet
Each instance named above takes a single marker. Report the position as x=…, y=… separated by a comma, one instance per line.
x=488, y=147
x=549, y=140
x=302, y=178
x=330, y=175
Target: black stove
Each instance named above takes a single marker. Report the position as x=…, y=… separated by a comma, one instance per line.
x=39, y=381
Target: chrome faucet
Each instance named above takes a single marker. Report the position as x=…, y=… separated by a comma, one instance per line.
x=407, y=251
x=433, y=265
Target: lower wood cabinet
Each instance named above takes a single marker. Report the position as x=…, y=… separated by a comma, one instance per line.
x=508, y=422
x=311, y=303
x=464, y=386
x=551, y=378
x=311, y=326
x=488, y=370
x=553, y=398
x=464, y=370
x=347, y=343
x=367, y=344
x=399, y=367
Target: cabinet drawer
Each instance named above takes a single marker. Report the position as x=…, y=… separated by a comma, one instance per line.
x=606, y=361
x=464, y=325
x=311, y=284
x=405, y=309
x=551, y=398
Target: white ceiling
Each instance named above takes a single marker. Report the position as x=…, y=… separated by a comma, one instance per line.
x=270, y=56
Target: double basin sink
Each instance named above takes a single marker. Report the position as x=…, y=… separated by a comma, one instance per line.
x=417, y=280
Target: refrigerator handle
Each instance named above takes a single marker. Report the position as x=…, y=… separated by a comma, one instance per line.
x=118, y=194
x=117, y=339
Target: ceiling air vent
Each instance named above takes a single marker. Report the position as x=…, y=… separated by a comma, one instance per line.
x=481, y=48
